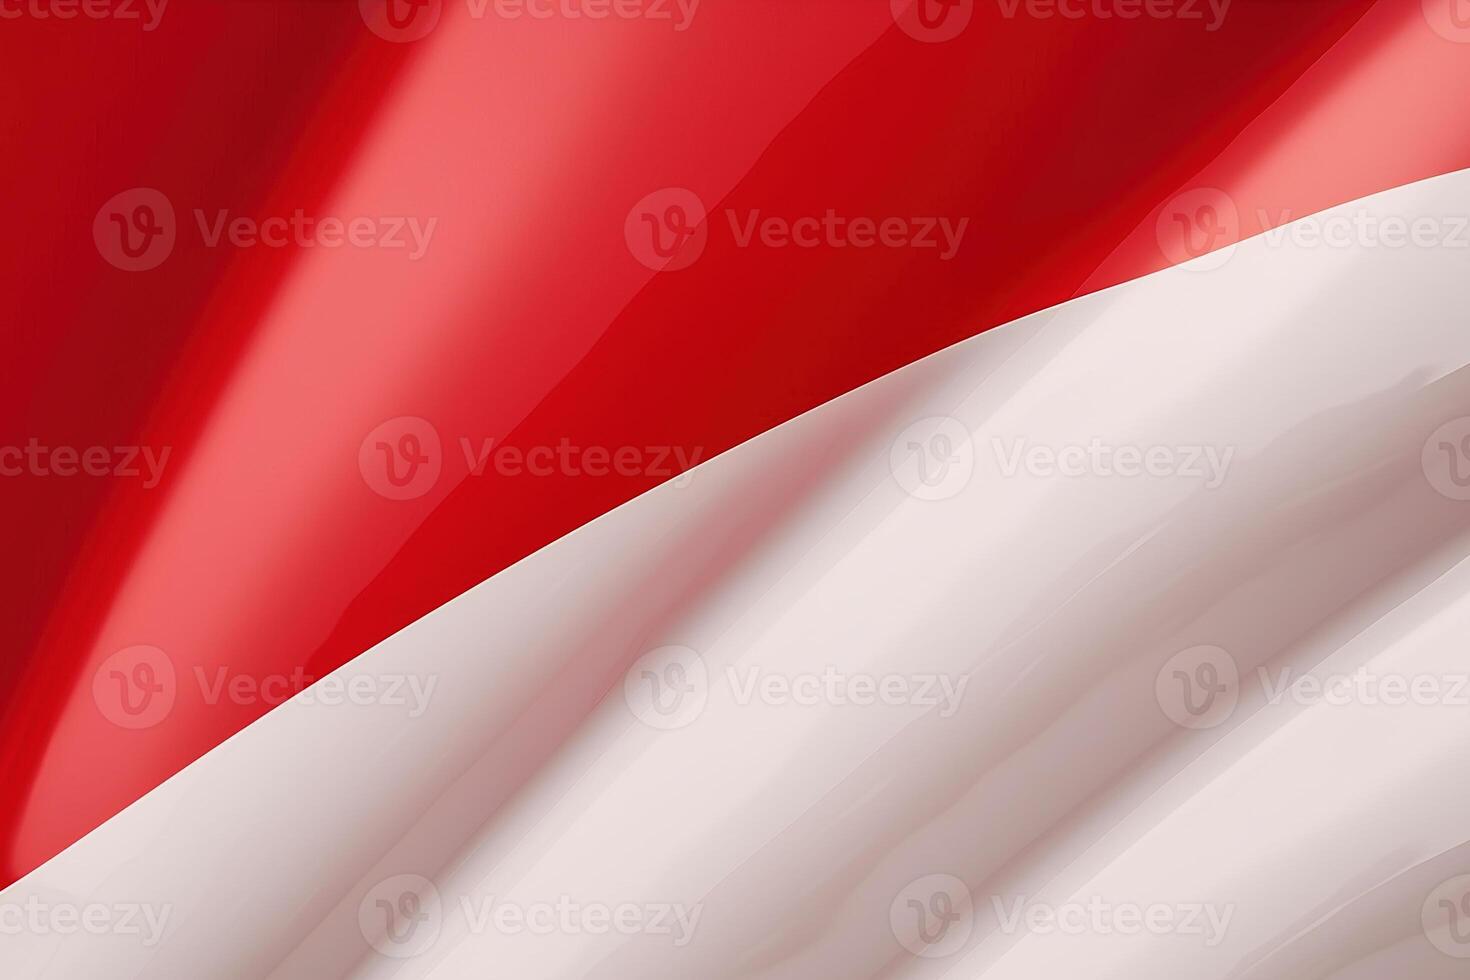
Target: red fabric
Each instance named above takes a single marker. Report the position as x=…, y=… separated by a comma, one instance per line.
x=530, y=319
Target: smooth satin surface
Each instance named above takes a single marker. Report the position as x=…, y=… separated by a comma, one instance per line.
x=1078, y=152
x=1312, y=519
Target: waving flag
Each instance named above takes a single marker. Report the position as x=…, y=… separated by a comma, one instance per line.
x=683, y=488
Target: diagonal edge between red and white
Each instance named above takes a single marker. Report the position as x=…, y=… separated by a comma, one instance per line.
x=271, y=378
x=923, y=639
